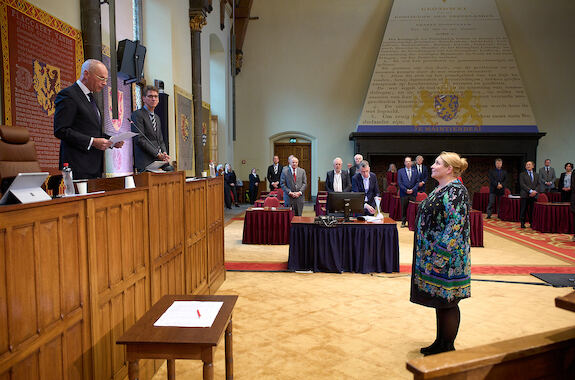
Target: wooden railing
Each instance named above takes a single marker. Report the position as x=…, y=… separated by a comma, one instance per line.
x=548, y=355
x=77, y=272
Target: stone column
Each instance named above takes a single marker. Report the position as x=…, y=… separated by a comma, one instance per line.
x=197, y=21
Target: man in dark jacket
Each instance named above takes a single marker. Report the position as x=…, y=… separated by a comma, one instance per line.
x=497, y=179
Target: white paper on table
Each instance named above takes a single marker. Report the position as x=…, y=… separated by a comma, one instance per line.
x=371, y=219
x=190, y=314
x=122, y=136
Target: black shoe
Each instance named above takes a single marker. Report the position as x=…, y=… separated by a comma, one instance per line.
x=488, y=216
x=439, y=349
x=403, y=225
x=430, y=348
x=237, y=205
x=522, y=225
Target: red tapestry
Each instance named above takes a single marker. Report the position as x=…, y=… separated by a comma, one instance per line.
x=40, y=56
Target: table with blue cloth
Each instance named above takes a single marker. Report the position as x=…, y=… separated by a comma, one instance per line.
x=358, y=247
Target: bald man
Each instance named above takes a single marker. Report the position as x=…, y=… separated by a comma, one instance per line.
x=337, y=180
x=78, y=123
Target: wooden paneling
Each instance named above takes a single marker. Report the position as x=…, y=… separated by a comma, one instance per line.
x=119, y=274
x=215, y=236
x=76, y=273
x=166, y=214
x=44, y=292
x=195, y=237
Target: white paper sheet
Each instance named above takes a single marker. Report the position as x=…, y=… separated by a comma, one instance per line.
x=190, y=314
x=122, y=136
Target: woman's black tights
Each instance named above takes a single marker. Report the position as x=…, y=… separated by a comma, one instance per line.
x=447, y=327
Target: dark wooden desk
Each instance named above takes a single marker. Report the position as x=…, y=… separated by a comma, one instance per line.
x=145, y=341
x=358, y=247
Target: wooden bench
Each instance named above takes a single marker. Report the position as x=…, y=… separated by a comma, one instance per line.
x=547, y=355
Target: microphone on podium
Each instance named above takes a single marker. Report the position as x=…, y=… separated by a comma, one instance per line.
x=143, y=134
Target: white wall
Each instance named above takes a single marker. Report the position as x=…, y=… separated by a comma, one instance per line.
x=307, y=67
x=542, y=36
x=67, y=11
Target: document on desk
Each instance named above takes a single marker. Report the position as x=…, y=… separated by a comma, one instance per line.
x=190, y=314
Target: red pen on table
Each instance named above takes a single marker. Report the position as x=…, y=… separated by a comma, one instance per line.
x=199, y=315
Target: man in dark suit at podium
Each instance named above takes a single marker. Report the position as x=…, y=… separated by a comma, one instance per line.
x=274, y=174
x=407, y=179
x=528, y=181
x=337, y=179
x=366, y=182
x=78, y=123
x=149, y=145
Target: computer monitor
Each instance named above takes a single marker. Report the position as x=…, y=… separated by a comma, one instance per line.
x=348, y=203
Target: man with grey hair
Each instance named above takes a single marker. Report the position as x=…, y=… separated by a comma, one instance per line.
x=285, y=171
x=358, y=158
x=293, y=184
x=337, y=180
x=547, y=177
x=422, y=174
x=366, y=182
x=78, y=123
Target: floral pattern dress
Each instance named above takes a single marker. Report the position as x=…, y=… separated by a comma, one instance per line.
x=441, y=269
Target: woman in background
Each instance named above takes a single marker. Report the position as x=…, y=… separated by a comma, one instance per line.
x=565, y=183
x=391, y=175
x=254, y=184
x=441, y=269
x=231, y=179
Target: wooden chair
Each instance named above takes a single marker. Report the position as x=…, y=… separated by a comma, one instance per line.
x=420, y=196
x=542, y=198
x=506, y=192
x=271, y=202
x=484, y=189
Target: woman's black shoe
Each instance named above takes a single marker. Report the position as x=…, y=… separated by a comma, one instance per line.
x=432, y=347
x=439, y=349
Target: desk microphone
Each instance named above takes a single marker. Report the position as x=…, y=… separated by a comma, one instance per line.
x=143, y=134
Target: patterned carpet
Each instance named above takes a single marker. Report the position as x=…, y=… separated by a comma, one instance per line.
x=558, y=245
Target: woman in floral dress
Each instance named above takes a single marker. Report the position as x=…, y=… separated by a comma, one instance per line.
x=441, y=267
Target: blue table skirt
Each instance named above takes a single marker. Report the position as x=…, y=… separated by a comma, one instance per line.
x=363, y=248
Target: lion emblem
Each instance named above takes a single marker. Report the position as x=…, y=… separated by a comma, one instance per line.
x=46, y=85
x=447, y=105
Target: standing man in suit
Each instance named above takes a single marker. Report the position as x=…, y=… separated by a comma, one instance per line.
x=337, y=180
x=407, y=179
x=274, y=174
x=293, y=184
x=497, y=178
x=528, y=181
x=547, y=177
x=366, y=182
x=78, y=123
x=422, y=173
x=285, y=171
x=358, y=158
x=149, y=144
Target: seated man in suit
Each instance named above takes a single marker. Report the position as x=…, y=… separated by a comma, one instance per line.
x=407, y=180
x=366, y=182
x=422, y=172
x=337, y=180
x=149, y=144
x=528, y=181
x=293, y=183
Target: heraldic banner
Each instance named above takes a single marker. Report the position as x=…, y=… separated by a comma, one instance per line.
x=40, y=56
x=119, y=162
x=184, y=130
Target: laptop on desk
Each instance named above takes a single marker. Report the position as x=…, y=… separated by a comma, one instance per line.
x=26, y=188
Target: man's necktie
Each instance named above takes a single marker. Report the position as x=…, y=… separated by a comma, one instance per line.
x=153, y=120
x=531, y=175
x=275, y=169
x=294, y=177
x=419, y=167
x=94, y=105
x=409, y=175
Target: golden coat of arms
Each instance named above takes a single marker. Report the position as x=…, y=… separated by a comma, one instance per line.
x=446, y=105
x=46, y=85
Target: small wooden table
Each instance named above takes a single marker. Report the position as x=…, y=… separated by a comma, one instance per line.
x=144, y=341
